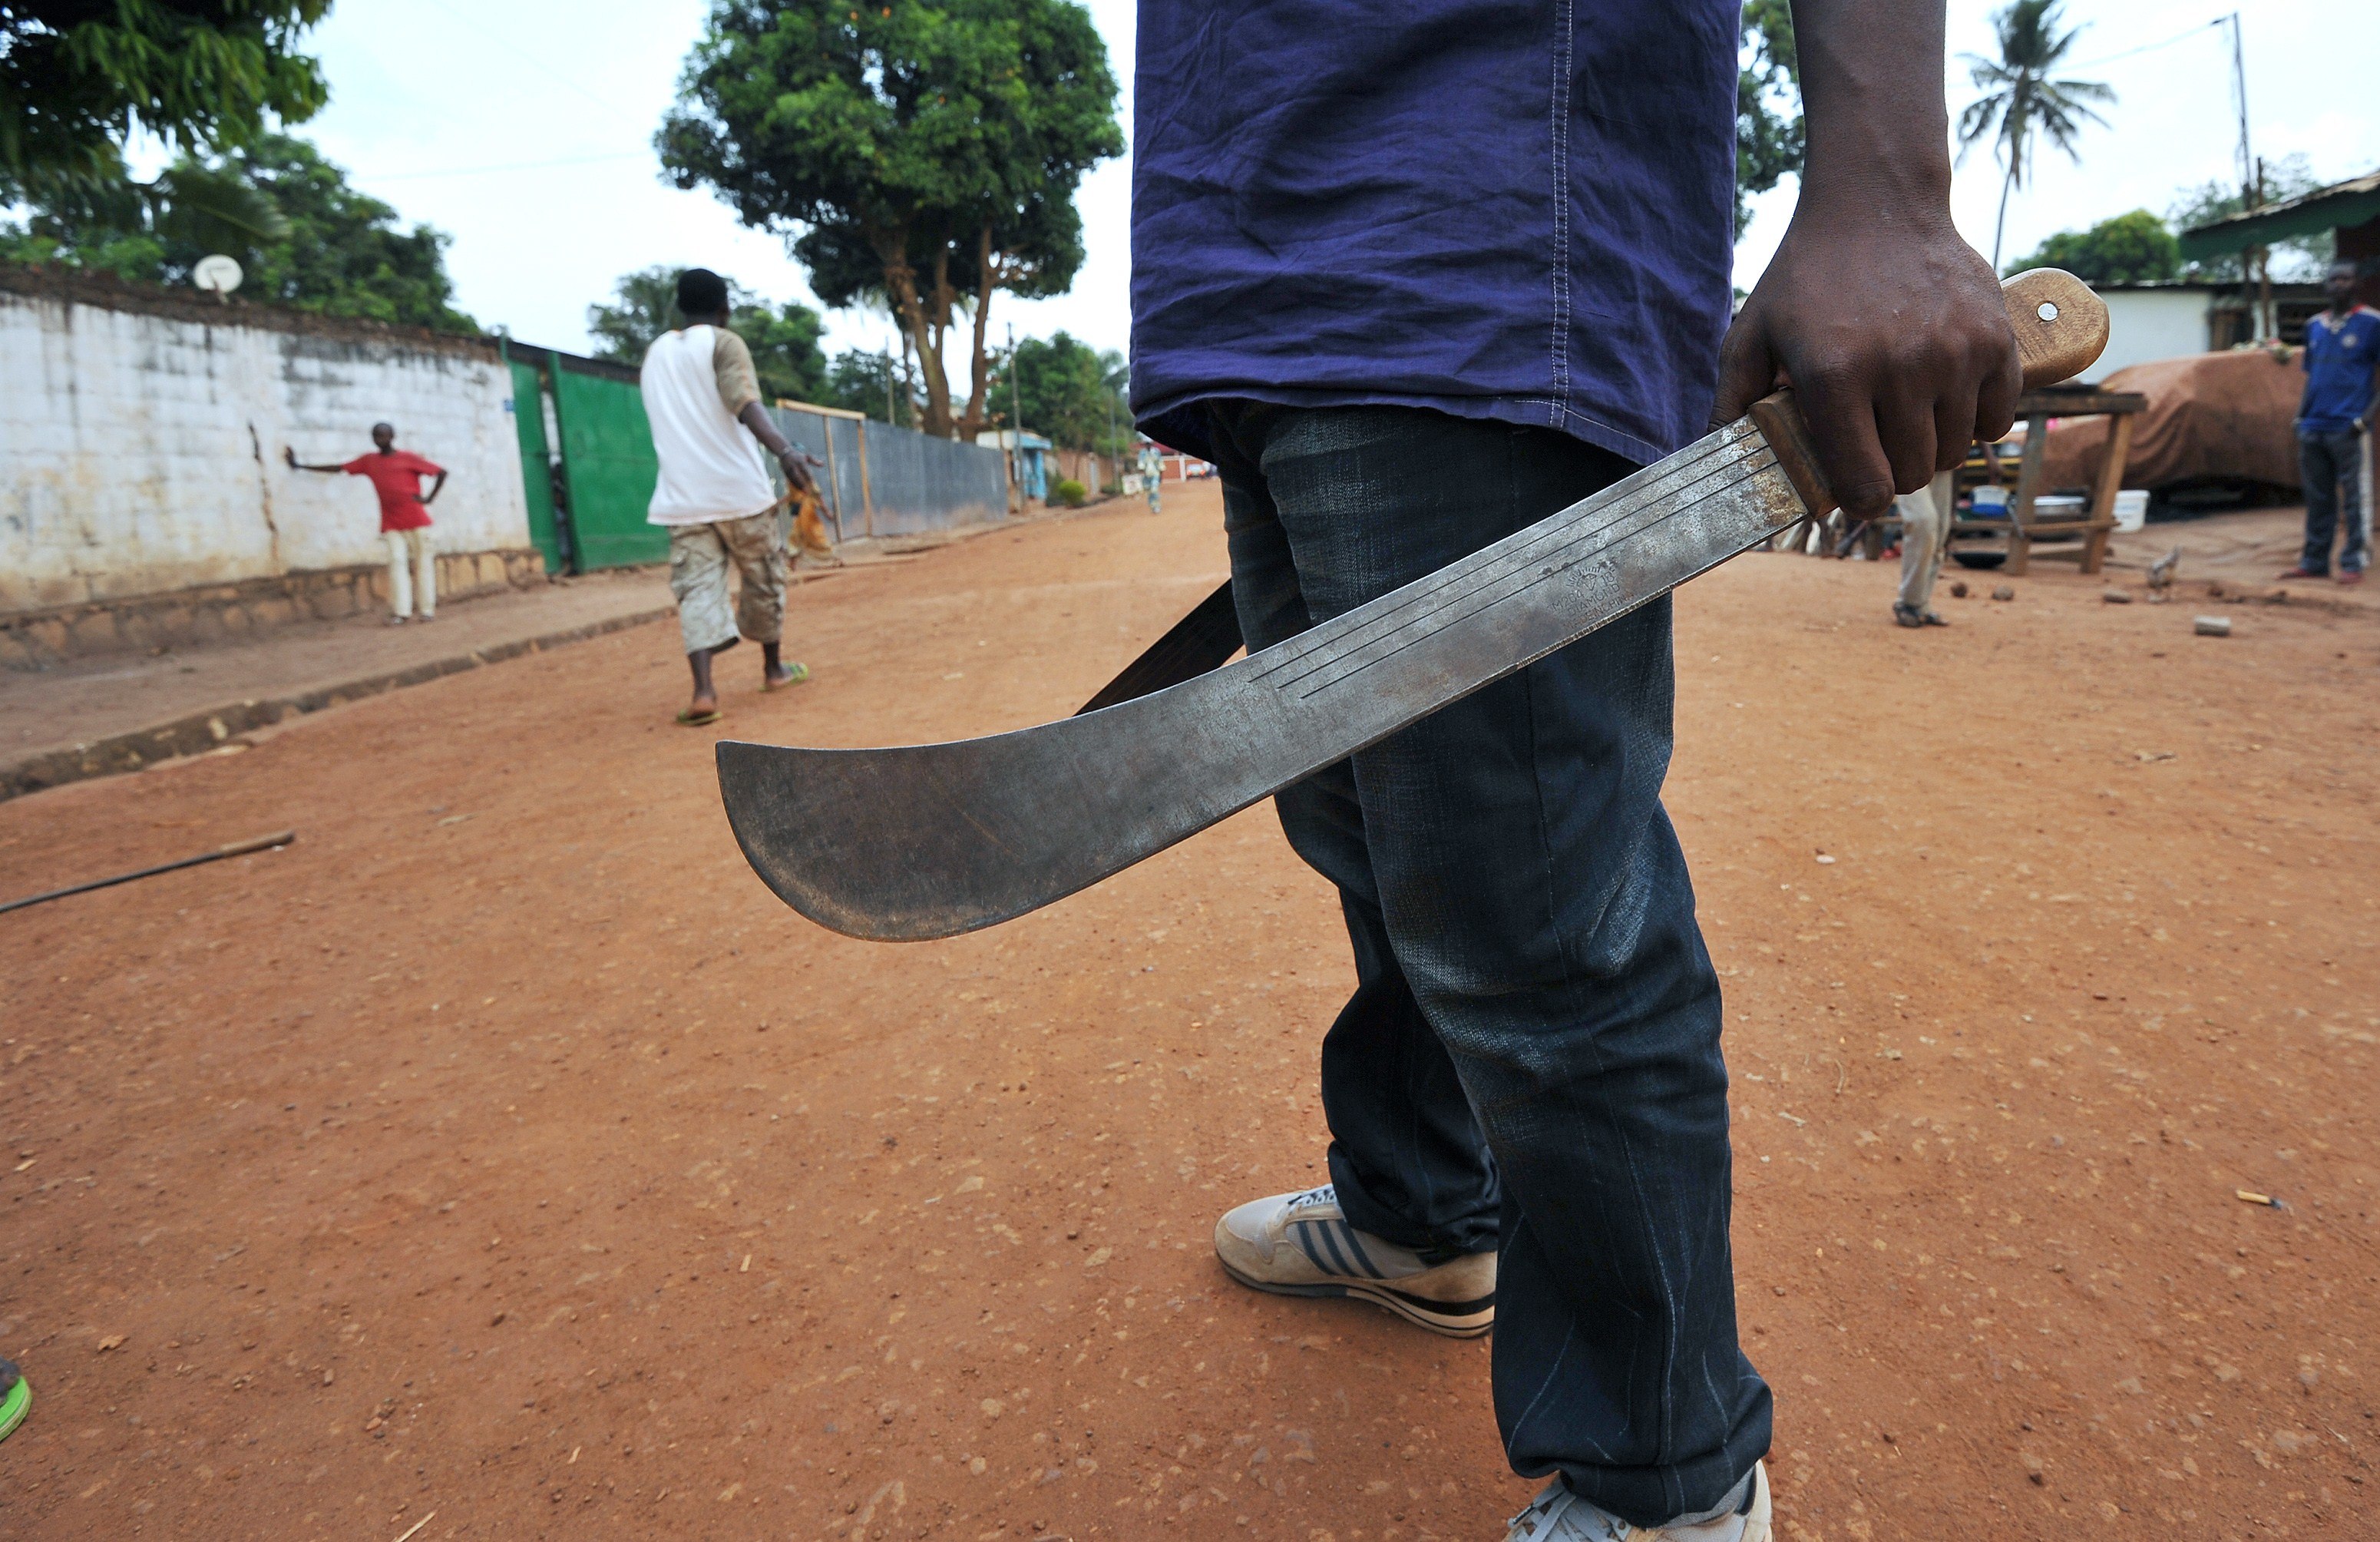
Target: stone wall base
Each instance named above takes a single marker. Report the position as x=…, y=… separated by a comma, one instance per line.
x=219, y=612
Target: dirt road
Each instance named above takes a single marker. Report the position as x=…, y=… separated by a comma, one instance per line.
x=502, y=1155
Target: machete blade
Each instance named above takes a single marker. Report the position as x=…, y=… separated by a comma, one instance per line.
x=927, y=841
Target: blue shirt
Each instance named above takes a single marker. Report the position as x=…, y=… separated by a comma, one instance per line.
x=1518, y=210
x=2340, y=355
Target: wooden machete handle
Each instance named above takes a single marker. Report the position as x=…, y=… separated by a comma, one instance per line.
x=2061, y=327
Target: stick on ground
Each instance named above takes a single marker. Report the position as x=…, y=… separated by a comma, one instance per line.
x=237, y=848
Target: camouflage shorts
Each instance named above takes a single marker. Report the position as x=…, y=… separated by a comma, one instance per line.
x=699, y=558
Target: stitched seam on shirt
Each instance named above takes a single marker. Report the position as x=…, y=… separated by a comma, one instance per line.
x=1560, y=113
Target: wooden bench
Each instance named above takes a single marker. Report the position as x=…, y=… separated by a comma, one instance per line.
x=2036, y=408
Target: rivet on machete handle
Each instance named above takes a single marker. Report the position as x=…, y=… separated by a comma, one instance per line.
x=2061, y=329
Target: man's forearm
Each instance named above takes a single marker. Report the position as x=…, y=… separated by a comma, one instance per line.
x=1878, y=143
x=1887, y=324
x=755, y=418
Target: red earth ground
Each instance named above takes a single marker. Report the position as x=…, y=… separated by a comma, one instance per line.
x=501, y=1156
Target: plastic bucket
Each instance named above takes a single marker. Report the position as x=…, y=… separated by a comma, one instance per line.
x=2131, y=509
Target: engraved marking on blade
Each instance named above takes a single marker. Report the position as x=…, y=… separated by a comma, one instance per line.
x=1500, y=588
x=1586, y=520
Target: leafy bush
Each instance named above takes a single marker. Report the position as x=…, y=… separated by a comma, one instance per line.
x=2129, y=248
x=1071, y=492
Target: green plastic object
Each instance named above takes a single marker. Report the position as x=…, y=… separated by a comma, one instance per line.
x=13, y=1404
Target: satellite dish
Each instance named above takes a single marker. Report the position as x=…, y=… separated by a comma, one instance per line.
x=217, y=274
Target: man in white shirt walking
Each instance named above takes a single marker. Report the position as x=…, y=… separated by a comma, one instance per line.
x=713, y=493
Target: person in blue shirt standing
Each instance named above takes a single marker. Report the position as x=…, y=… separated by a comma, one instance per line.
x=1413, y=277
x=2342, y=366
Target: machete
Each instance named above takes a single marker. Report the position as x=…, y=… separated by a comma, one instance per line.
x=925, y=840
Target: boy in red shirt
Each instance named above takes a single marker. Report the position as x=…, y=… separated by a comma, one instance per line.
x=404, y=516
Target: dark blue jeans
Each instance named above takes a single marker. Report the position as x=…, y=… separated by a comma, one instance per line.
x=2332, y=466
x=1531, y=1058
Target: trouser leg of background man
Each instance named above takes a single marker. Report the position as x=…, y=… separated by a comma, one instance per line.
x=400, y=578
x=1924, y=533
x=425, y=572
x=2320, y=467
x=699, y=567
x=1534, y=902
x=2346, y=456
x=757, y=546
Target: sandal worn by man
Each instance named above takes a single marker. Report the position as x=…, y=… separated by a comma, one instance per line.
x=691, y=719
x=16, y=1396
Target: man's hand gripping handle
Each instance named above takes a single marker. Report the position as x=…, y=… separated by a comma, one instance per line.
x=2061, y=327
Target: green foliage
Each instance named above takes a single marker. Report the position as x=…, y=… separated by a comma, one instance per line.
x=2294, y=257
x=924, y=153
x=2130, y=249
x=1767, y=104
x=786, y=352
x=1068, y=391
x=857, y=382
x=784, y=338
x=307, y=240
x=78, y=76
x=1071, y=492
x=2020, y=100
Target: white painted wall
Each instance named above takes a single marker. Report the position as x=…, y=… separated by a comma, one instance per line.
x=140, y=453
x=2144, y=325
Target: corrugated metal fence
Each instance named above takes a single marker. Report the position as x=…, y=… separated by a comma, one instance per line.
x=588, y=465
x=883, y=481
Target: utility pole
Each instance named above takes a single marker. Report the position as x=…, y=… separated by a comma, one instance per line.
x=888, y=389
x=2255, y=262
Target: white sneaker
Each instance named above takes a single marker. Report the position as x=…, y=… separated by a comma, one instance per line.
x=1300, y=1245
x=1559, y=1515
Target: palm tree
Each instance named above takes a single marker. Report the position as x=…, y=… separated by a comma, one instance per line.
x=2020, y=101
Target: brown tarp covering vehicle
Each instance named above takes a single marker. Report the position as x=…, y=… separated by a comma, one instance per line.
x=2211, y=418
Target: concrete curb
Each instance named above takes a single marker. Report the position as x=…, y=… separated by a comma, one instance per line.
x=205, y=729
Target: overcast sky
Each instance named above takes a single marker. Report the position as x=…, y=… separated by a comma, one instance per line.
x=523, y=130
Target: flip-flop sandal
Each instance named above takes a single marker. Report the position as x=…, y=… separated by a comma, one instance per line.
x=794, y=676
x=15, y=1401
x=692, y=719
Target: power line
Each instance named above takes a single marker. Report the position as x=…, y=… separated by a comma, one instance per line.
x=2152, y=47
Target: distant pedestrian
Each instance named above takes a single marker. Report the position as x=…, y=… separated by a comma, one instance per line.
x=1152, y=473
x=713, y=493
x=1924, y=535
x=2342, y=366
x=404, y=519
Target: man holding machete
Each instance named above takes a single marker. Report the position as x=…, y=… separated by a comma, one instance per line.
x=1414, y=280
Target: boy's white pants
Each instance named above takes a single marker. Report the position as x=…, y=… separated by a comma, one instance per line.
x=1925, y=540
x=414, y=543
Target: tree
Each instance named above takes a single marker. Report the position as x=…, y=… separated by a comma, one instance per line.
x=2020, y=101
x=1068, y=391
x=784, y=338
x=2306, y=256
x=2130, y=249
x=875, y=383
x=308, y=239
x=76, y=76
x=1767, y=109
x=926, y=154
